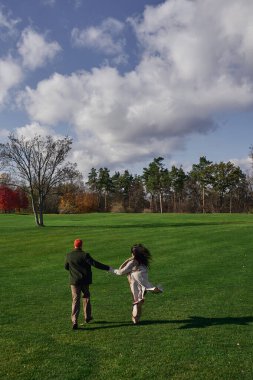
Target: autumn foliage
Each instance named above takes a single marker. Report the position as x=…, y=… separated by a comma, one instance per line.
x=80, y=202
x=11, y=200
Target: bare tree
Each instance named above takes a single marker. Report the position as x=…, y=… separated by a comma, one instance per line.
x=38, y=164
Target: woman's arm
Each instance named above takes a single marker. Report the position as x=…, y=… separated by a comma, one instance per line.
x=125, y=268
x=126, y=262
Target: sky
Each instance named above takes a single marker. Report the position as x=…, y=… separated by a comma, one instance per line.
x=130, y=80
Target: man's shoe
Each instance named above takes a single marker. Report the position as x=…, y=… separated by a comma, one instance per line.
x=75, y=326
x=88, y=320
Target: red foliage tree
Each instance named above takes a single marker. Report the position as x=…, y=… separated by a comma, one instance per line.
x=21, y=199
x=7, y=199
x=12, y=199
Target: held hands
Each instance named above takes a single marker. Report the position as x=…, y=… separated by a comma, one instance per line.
x=114, y=271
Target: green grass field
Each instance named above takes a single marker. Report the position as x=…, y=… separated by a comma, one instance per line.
x=199, y=328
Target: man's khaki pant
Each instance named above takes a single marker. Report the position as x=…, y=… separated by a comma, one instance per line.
x=76, y=291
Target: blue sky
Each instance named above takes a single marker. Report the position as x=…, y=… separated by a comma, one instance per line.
x=130, y=80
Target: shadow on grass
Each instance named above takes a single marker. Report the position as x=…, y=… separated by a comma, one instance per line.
x=106, y=325
x=202, y=322
x=190, y=323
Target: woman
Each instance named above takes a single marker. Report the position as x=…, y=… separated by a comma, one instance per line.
x=136, y=269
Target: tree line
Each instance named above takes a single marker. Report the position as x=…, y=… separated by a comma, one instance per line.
x=207, y=187
x=37, y=168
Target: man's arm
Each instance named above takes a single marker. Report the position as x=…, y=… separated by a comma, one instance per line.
x=66, y=265
x=95, y=263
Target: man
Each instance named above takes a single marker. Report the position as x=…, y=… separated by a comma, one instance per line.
x=79, y=263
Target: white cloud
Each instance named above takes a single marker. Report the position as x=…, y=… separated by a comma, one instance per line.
x=193, y=65
x=34, y=129
x=77, y=3
x=200, y=39
x=50, y=3
x=116, y=119
x=10, y=76
x=35, y=50
x=7, y=23
x=244, y=163
x=4, y=133
x=58, y=99
x=104, y=38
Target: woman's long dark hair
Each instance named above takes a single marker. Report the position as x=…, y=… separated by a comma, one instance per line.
x=141, y=254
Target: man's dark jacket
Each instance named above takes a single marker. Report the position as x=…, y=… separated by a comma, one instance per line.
x=79, y=263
